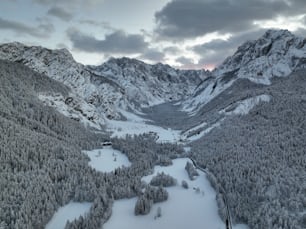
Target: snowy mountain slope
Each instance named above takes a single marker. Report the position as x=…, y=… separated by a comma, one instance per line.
x=60, y=65
x=240, y=106
x=247, y=128
x=276, y=54
x=73, y=108
x=150, y=84
x=99, y=93
x=258, y=155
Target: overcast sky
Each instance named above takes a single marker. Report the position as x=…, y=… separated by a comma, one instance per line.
x=182, y=33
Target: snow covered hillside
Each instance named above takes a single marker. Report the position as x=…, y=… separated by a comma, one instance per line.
x=150, y=84
x=117, y=84
x=85, y=87
x=244, y=123
x=100, y=93
x=276, y=54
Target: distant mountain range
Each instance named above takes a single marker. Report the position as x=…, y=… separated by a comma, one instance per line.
x=244, y=121
x=277, y=53
x=99, y=92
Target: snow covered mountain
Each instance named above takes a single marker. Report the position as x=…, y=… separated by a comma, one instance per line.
x=277, y=53
x=85, y=102
x=99, y=93
x=245, y=127
x=150, y=84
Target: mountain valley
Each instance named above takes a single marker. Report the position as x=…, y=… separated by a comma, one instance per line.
x=243, y=123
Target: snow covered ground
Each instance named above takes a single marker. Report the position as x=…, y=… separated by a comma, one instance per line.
x=243, y=107
x=137, y=125
x=69, y=212
x=185, y=208
x=77, y=109
x=107, y=159
x=195, y=207
x=199, y=132
x=193, y=104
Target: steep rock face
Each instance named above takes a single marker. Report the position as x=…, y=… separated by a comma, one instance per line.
x=118, y=84
x=60, y=65
x=277, y=53
x=150, y=84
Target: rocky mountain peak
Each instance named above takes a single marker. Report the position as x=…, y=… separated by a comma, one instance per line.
x=276, y=53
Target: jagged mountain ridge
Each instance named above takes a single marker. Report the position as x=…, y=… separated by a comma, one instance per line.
x=277, y=53
x=98, y=93
x=60, y=65
x=150, y=84
x=230, y=165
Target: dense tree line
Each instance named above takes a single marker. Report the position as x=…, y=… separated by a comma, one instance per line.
x=191, y=170
x=150, y=196
x=260, y=158
x=42, y=166
x=40, y=151
x=163, y=180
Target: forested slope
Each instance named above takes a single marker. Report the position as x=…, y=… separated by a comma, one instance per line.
x=260, y=158
x=42, y=166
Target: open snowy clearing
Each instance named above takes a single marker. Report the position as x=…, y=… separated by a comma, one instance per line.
x=69, y=212
x=107, y=159
x=195, y=207
x=185, y=208
x=136, y=125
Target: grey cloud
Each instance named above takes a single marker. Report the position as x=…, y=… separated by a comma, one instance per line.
x=62, y=46
x=184, y=61
x=301, y=32
x=43, y=30
x=214, y=52
x=147, y=34
x=181, y=19
x=60, y=13
x=47, y=2
x=117, y=42
x=213, y=59
x=46, y=28
x=104, y=25
x=187, y=63
x=172, y=50
x=70, y=3
x=153, y=55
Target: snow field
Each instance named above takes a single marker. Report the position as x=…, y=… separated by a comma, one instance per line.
x=136, y=125
x=107, y=159
x=245, y=106
x=69, y=212
x=185, y=208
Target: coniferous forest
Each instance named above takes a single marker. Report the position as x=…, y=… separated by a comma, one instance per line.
x=256, y=160
x=259, y=159
x=42, y=167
